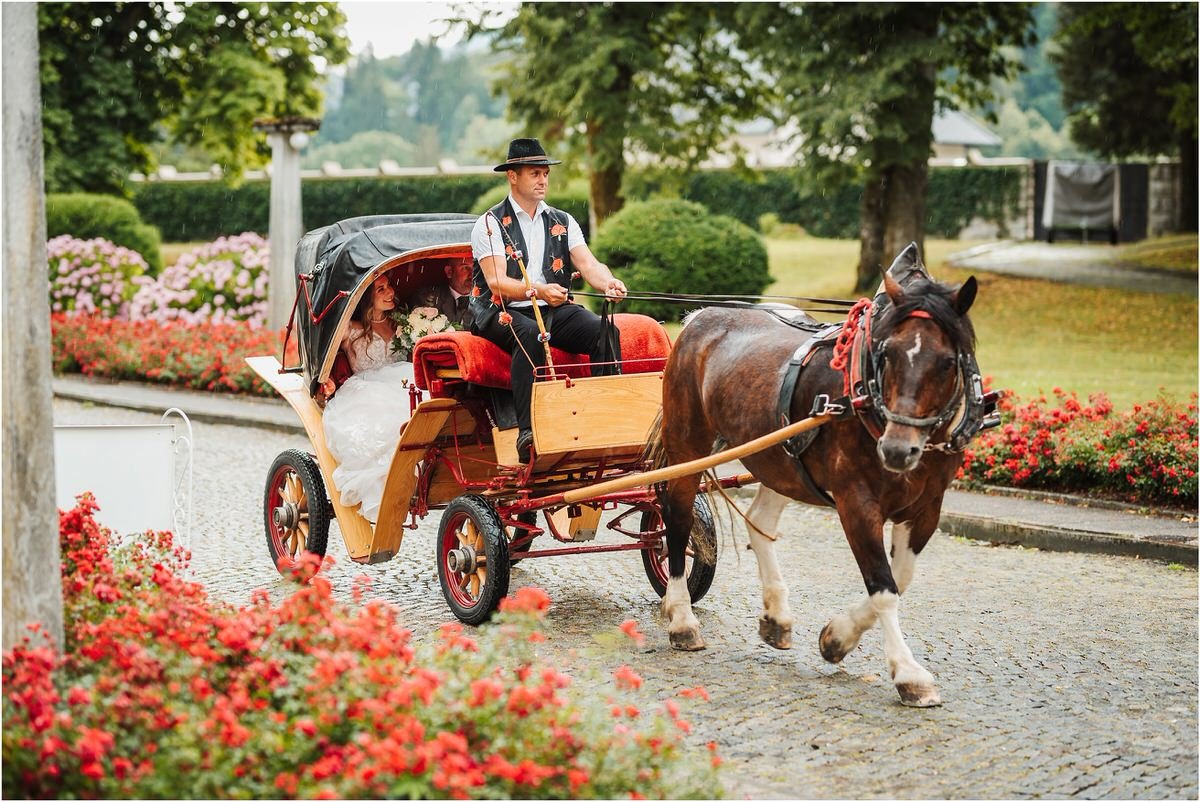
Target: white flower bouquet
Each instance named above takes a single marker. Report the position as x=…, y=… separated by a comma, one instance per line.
x=415, y=324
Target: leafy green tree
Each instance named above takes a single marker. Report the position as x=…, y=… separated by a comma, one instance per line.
x=119, y=77
x=609, y=79
x=1128, y=72
x=371, y=100
x=862, y=80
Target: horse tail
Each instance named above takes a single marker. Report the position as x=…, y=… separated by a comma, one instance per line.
x=654, y=453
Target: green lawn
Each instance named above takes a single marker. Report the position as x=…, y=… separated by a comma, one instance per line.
x=1037, y=335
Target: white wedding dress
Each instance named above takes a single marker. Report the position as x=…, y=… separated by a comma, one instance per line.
x=363, y=420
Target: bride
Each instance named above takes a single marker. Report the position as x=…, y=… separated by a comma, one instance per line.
x=363, y=420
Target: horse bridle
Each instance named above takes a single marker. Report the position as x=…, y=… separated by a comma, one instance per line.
x=968, y=391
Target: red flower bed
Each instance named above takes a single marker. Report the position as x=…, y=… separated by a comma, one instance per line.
x=164, y=693
x=1147, y=455
x=197, y=356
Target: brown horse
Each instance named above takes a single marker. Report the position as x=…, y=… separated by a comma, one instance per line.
x=910, y=392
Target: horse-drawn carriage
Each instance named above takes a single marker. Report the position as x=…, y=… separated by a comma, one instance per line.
x=896, y=393
x=458, y=451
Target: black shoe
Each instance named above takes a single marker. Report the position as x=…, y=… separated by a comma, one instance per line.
x=524, y=445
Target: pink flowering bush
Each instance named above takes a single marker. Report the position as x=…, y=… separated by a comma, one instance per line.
x=222, y=281
x=92, y=276
x=162, y=692
x=1146, y=455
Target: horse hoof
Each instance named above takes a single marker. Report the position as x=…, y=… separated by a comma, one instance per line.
x=831, y=648
x=687, y=641
x=774, y=634
x=912, y=695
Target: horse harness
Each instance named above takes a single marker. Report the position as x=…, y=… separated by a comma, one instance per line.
x=861, y=369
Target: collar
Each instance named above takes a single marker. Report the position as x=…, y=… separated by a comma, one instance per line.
x=516, y=207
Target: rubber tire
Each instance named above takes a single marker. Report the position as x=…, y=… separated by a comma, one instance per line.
x=495, y=541
x=528, y=518
x=320, y=511
x=700, y=577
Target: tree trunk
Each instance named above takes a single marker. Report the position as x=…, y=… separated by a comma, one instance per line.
x=904, y=208
x=604, y=195
x=32, y=571
x=870, y=236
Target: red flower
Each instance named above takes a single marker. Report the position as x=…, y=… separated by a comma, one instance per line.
x=505, y=319
x=556, y=265
x=506, y=221
x=476, y=292
x=557, y=230
x=508, y=251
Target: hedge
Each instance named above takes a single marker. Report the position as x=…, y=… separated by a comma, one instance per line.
x=86, y=216
x=187, y=212
x=192, y=212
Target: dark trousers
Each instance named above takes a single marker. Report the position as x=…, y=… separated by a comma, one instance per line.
x=572, y=328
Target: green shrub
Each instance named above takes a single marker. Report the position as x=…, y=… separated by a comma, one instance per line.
x=678, y=246
x=572, y=198
x=84, y=217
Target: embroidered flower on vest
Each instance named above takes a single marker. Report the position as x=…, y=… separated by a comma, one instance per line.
x=557, y=230
x=506, y=221
x=508, y=251
x=556, y=265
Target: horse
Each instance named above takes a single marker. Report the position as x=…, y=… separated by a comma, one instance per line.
x=910, y=396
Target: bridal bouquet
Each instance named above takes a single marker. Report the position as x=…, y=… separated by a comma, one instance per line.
x=413, y=325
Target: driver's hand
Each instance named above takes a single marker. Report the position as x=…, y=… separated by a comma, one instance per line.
x=328, y=388
x=615, y=290
x=553, y=294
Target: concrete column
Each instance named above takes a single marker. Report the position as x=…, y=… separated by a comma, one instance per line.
x=32, y=573
x=287, y=226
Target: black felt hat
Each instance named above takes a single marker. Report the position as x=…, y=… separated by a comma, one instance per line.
x=525, y=153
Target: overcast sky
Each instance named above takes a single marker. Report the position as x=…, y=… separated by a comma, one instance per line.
x=392, y=27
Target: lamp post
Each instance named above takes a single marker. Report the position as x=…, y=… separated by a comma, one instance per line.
x=287, y=137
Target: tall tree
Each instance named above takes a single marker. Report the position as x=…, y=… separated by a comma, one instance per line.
x=611, y=79
x=862, y=81
x=117, y=77
x=1139, y=99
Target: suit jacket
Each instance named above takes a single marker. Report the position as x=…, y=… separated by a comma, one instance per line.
x=442, y=299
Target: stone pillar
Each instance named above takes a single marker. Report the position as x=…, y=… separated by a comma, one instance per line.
x=32, y=573
x=286, y=136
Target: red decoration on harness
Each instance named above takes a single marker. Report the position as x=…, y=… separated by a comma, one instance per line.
x=495, y=299
x=921, y=313
x=476, y=292
x=845, y=341
x=505, y=319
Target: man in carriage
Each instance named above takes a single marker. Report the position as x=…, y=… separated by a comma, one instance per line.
x=526, y=251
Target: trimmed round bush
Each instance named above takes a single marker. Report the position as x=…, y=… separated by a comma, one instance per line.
x=221, y=281
x=92, y=276
x=680, y=247
x=85, y=216
x=572, y=198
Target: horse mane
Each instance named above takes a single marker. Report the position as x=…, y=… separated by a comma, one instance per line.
x=937, y=300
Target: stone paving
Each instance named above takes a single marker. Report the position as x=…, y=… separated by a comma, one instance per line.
x=1062, y=675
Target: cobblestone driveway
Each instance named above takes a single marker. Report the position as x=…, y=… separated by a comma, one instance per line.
x=1062, y=675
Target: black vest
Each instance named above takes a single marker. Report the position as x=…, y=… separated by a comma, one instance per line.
x=556, y=261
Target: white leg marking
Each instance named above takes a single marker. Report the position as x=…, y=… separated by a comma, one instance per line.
x=912, y=352
x=848, y=627
x=764, y=513
x=677, y=606
x=903, y=559
x=903, y=666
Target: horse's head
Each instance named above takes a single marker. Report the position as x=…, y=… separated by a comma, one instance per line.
x=921, y=343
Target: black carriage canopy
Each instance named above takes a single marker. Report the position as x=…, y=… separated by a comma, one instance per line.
x=341, y=256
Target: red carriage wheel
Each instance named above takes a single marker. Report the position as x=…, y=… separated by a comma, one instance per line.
x=296, y=509
x=472, y=559
x=699, y=574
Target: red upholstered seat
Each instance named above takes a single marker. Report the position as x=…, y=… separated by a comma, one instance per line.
x=644, y=348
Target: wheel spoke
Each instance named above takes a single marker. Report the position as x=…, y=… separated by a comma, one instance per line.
x=482, y=574
x=475, y=585
x=462, y=583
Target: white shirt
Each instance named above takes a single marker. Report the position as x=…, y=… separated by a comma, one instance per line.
x=533, y=230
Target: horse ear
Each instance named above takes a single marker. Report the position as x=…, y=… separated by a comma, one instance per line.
x=964, y=296
x=892, y=287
